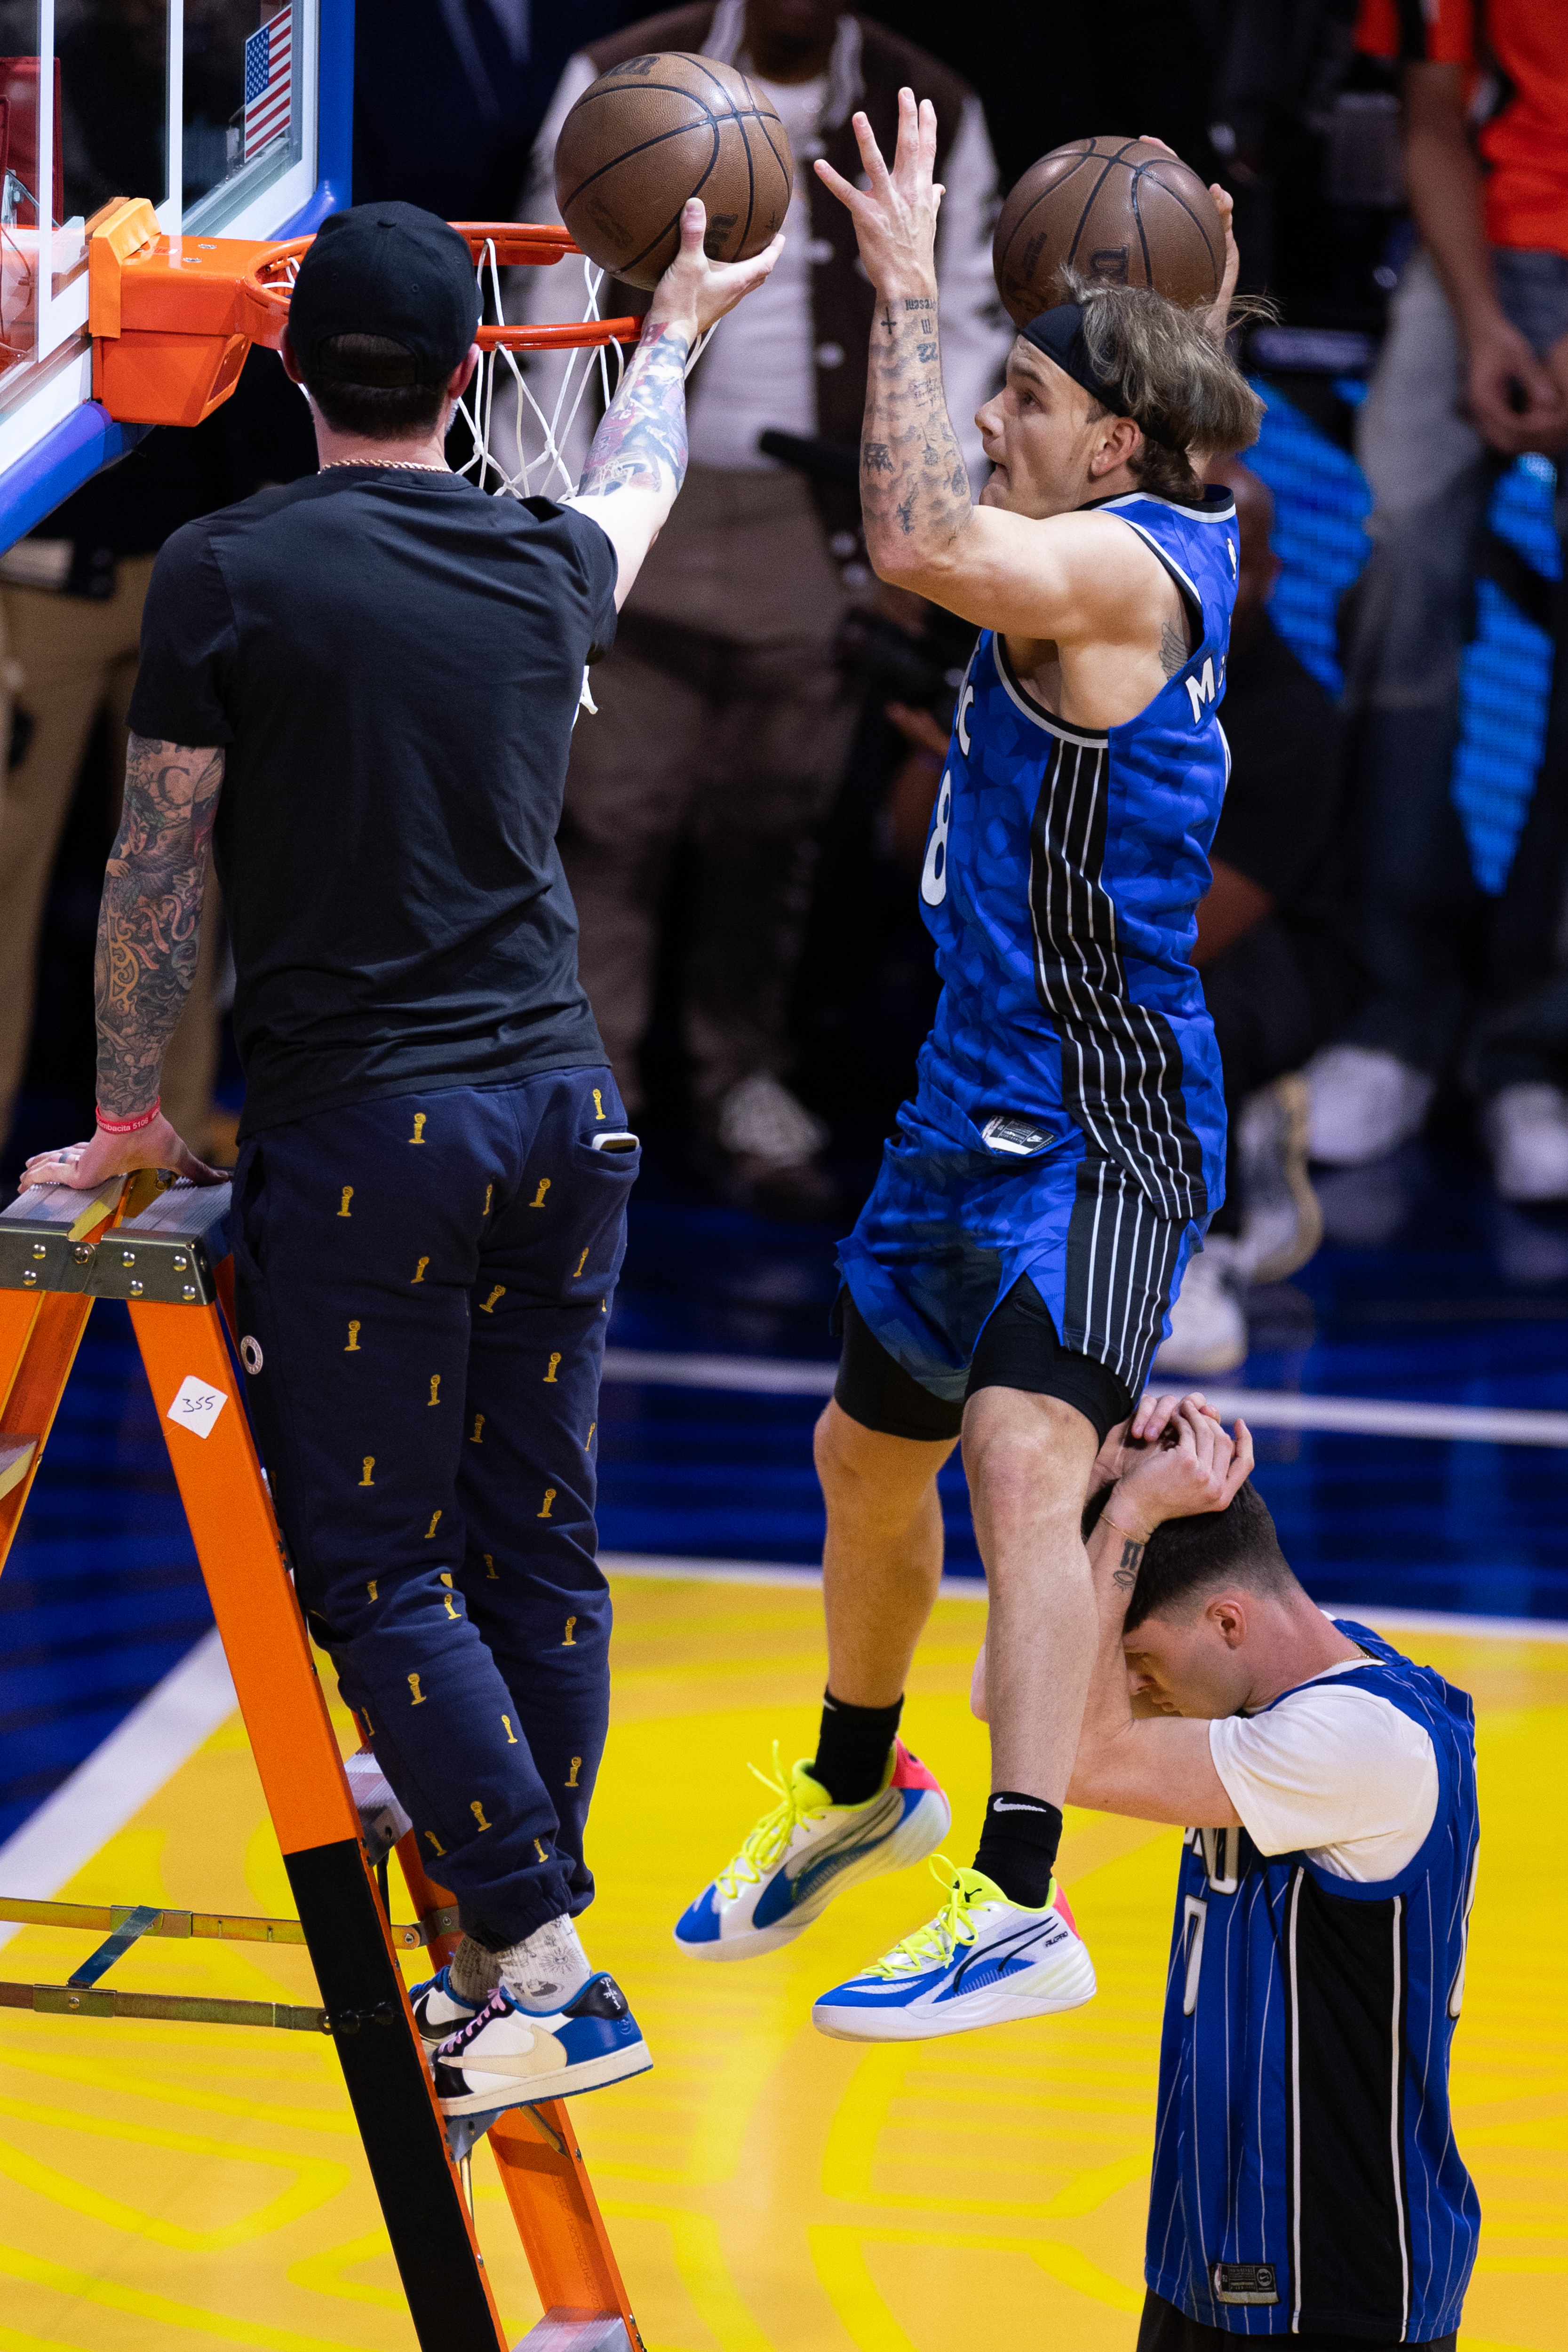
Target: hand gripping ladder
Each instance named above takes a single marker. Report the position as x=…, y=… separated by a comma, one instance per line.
x=162, y=1248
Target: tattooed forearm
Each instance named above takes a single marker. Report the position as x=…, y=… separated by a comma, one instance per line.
x=151, y=915
x=641, y=444
x=1125, y=1573
x=914, y=491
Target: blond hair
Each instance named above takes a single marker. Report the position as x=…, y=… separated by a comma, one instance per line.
x=1177, y=382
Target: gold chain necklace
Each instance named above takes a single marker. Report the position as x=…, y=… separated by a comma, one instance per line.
x=384, y=465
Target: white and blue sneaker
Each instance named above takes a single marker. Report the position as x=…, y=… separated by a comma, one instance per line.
x=507, y=2055
x=981, y=1961
x=438, y=2012
x=806, y=1851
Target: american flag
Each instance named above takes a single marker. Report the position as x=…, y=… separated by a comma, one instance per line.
x=268, y=81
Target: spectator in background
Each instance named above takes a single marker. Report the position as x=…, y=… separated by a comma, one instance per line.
x=1276, y=948
x=72, y=594
x=723, y=721
x=1474, y=371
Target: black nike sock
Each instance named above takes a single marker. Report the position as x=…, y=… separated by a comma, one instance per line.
x=852, y=1749
x=1018, y=1845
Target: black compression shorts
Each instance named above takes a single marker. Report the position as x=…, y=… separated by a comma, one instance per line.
x=1018, y=1348
x=1166, y=2329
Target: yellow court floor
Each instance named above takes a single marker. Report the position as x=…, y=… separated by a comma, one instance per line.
x=172, y=2184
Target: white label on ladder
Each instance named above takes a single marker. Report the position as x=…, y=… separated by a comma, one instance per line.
x=197, y=1406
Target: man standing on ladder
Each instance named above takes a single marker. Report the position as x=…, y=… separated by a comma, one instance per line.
x=360, y=689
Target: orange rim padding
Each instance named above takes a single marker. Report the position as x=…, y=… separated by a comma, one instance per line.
x=173, y=319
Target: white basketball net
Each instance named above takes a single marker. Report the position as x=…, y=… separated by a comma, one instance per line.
x=521, y=440
x=523, y=405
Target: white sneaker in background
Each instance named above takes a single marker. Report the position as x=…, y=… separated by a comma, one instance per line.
x=761, y=1119
x=1281, y=1223
x=1526, y=1131
x=1363, y=1104
x=1208, y=1321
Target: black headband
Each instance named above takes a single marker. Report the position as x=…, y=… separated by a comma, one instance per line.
x=1059, y=332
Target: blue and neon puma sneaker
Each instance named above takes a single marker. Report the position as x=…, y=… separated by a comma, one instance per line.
x=981, y=1961
x=806, y=1851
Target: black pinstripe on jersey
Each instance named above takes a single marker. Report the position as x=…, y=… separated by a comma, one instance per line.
x=1121, y=1269
x=1122, y=1067
x=1346, y=1974
x=1141, y=1179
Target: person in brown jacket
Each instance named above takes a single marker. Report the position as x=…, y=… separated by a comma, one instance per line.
x=723, y=721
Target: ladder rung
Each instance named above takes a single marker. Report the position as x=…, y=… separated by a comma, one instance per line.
x=220, y=1926
x=171, y=2008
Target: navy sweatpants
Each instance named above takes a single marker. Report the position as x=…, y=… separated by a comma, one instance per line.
x=423, y=1287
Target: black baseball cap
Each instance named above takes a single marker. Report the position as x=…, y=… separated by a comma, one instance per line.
x=391, y=271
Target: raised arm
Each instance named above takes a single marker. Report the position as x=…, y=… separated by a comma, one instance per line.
x=637, y=462
x=1001, y=570
x=148, y=923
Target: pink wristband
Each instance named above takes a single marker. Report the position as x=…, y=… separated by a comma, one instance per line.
x=128, y=1126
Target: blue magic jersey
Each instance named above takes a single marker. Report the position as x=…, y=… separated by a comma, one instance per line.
x=1306, y=2178
x=1061, y=875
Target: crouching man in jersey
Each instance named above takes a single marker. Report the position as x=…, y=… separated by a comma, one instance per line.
x=360, y=689
x=1306, y=2180
x=1009, y=1276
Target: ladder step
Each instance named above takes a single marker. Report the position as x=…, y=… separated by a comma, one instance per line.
x=169, y=2008
x=221, y=1926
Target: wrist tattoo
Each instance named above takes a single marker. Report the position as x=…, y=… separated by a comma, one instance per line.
x=1125, y=1574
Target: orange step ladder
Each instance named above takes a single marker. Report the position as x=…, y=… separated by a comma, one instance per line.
x=162, y=1248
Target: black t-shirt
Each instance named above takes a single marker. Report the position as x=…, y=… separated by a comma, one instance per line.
x=391, y=663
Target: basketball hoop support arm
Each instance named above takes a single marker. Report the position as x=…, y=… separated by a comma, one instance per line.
x=173, y=318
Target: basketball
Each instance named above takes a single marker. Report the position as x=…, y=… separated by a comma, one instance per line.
x=650, y=135
x=1119, y=213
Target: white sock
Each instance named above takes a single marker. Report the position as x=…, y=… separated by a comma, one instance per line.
x=473, y=1972
x=548, y=1968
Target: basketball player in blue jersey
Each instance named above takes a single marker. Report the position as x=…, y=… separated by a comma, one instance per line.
x=1306, y=2179
x=1009, y=1278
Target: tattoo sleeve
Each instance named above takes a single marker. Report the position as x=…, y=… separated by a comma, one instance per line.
x=151, y=914
x=914, y=491
x=641, y=444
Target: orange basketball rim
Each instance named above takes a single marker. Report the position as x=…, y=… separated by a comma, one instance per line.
x=172, y=318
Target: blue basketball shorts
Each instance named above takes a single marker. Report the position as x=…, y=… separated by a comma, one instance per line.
x=950, y=1229
x=423, y=1287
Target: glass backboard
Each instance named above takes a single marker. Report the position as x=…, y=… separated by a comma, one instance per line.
x=233, y=116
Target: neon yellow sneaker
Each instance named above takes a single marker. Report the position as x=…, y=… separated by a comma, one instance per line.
x=981, y=1961
x=806, y=1851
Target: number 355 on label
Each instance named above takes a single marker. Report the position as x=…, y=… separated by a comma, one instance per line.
x=197, y=1406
